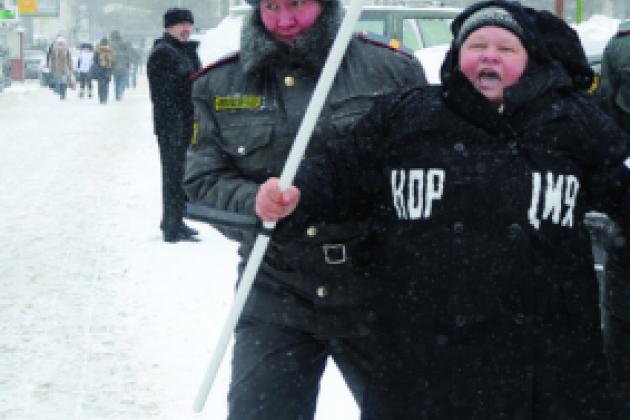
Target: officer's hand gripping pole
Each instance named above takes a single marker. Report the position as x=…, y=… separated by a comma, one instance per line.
x=300, y=143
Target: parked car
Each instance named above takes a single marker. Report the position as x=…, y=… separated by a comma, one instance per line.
x=34, y=63
x=5, y=68
x=425, y=30
x=1, y=74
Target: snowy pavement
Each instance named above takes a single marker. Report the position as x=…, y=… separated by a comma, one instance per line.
x=100, y=319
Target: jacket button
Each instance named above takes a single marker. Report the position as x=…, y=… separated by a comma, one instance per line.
x=322, y=292
x=458, y=227
x=514, y=230
x=513, y=147
x=289, y=81
x=241, y=150
x=311, y=231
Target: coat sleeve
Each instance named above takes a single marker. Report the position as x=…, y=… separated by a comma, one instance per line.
x=346, y=181
x=607, y=154
x=415, y=75
x=211, y=178
x=609, y=83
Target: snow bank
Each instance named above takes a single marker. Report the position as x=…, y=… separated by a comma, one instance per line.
x=431, y=59
x=220, y=40
x=595, y=32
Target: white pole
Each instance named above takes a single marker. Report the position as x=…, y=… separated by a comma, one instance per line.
x=300, y=143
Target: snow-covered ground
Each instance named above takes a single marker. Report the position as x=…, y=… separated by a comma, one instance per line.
x=100, y=319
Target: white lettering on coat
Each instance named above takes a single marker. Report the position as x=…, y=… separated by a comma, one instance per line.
x=558, y=193
x=415, y=190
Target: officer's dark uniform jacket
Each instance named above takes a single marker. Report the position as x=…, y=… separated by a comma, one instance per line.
x=169, y=67
x=614, y=97
x=488, y=303
x=615, y=83
x=249, y=107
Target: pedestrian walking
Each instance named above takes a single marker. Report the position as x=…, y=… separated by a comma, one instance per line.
x=85, y=61
x=487, y=305
x=171, y=63
x=136, y=60
x=60, y=65
x=121, y=63
x=102, y=69
x=614, y=97
x=306, y=304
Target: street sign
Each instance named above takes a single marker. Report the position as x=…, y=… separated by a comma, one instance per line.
x=7, y=14
x=27, y=7
x=39, y=8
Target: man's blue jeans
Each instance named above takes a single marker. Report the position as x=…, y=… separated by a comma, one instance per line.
x=120, y=83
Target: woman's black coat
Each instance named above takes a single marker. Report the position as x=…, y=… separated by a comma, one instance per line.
x=489, y=309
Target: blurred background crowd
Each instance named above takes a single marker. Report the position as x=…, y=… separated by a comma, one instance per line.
x=29, y=30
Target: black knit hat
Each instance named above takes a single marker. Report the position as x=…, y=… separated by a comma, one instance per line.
x=545, y=36
x=176, y=15
x=488, y=16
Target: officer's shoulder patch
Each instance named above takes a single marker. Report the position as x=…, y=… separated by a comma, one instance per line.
x=228, y=58
x=624, y=28
x=383, y=41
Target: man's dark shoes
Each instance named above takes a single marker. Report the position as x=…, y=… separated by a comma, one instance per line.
x=179, y=236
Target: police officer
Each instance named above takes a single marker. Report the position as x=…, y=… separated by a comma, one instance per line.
x=172, y=61
x=615, y=82
x=615, y=100
x=305, y=304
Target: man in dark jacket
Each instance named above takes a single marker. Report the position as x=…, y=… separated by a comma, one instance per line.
x=306, y=304
x=614, y=92
x=614, y=97
x=171, y=63
x=488, y=304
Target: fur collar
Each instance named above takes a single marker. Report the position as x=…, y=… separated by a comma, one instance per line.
x=260, y=50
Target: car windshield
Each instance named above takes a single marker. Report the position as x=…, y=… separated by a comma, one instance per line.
x=426, y=32
x=376, y=26
x=34, y=54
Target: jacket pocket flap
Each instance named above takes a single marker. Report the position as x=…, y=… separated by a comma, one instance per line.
x=241, y=141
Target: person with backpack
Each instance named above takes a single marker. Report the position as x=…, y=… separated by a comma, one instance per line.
x=102, y=68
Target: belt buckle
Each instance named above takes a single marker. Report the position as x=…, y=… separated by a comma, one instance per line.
x=334, y=253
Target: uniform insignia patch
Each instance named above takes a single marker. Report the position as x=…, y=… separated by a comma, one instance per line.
x=195, y=137
x=222, y=103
